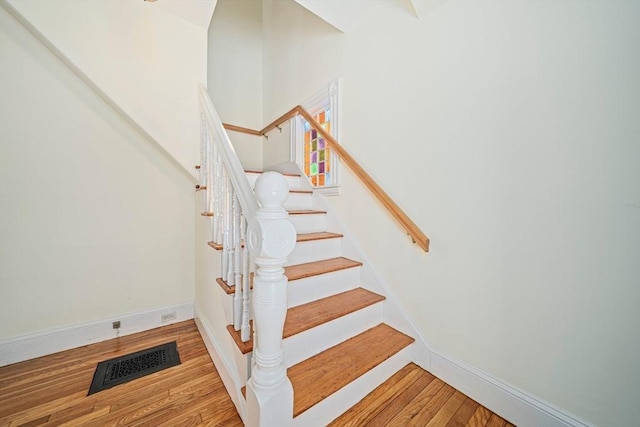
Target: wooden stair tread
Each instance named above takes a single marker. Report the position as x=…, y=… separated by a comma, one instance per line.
x=306, y=237
x=306, y=212
x=315, y=313
x=216, y=246
x=314, y=268
x=281, y=173
x=322, y=375
x=301, y=271
x=230, y=290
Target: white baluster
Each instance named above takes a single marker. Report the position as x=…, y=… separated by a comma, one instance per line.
x=204, y=133
x=217, y=192
x=226, y=246
x=231, y=278
x=271, y=238
x=237, y=267
x=210, y=172
x=245, y=329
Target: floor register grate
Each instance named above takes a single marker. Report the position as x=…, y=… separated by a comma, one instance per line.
x=132, y=366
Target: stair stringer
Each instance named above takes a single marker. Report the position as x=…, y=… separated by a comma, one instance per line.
x=213, y=311
x=227, y=369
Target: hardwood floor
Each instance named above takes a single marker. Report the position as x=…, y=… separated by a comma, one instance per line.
x=414, y=397
x=52, y=391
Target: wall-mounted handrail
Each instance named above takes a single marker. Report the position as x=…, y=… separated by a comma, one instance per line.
x=411, y=228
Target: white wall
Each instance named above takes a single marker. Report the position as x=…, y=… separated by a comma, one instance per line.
x=94, y=221
x=234, y=76
x=277, y=146
x=147, y=60
x=248, y=148
x=509, y=132
x=302, y=55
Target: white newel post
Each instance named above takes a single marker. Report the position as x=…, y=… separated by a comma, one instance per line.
x=271, y=238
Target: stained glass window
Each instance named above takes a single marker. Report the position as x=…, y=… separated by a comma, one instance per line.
x=317, y=153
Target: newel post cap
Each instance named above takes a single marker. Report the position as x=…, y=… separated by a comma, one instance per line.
x=271, y=190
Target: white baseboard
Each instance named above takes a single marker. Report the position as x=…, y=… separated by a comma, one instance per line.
x=517, y=406
x=228, y=373
x=38, y=344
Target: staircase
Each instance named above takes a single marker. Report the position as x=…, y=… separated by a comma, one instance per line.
x=337, y=347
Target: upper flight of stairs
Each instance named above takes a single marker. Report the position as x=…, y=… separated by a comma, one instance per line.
x=337, y=347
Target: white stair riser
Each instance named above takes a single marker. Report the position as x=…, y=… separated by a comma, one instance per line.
x=227, y=306
x=242, y=361
x=294, y=182
x=309, y=223
x=335, y=405
x=302, y=291
x=316, y=340
x=315, y=250
x=299, y=201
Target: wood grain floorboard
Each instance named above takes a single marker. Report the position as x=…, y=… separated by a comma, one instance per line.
x=52, y=390
x=414, y=397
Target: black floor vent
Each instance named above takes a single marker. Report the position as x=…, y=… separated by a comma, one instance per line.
x=135, y=365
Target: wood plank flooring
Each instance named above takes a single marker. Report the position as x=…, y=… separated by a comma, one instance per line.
x=414, y=397
x=52, y=390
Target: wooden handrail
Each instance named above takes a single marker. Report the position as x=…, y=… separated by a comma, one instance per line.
x=268, y=128
x=282, y=119
x=241, y=129
x=411, y=228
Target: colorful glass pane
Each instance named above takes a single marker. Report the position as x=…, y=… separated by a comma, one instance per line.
x=317, y=153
